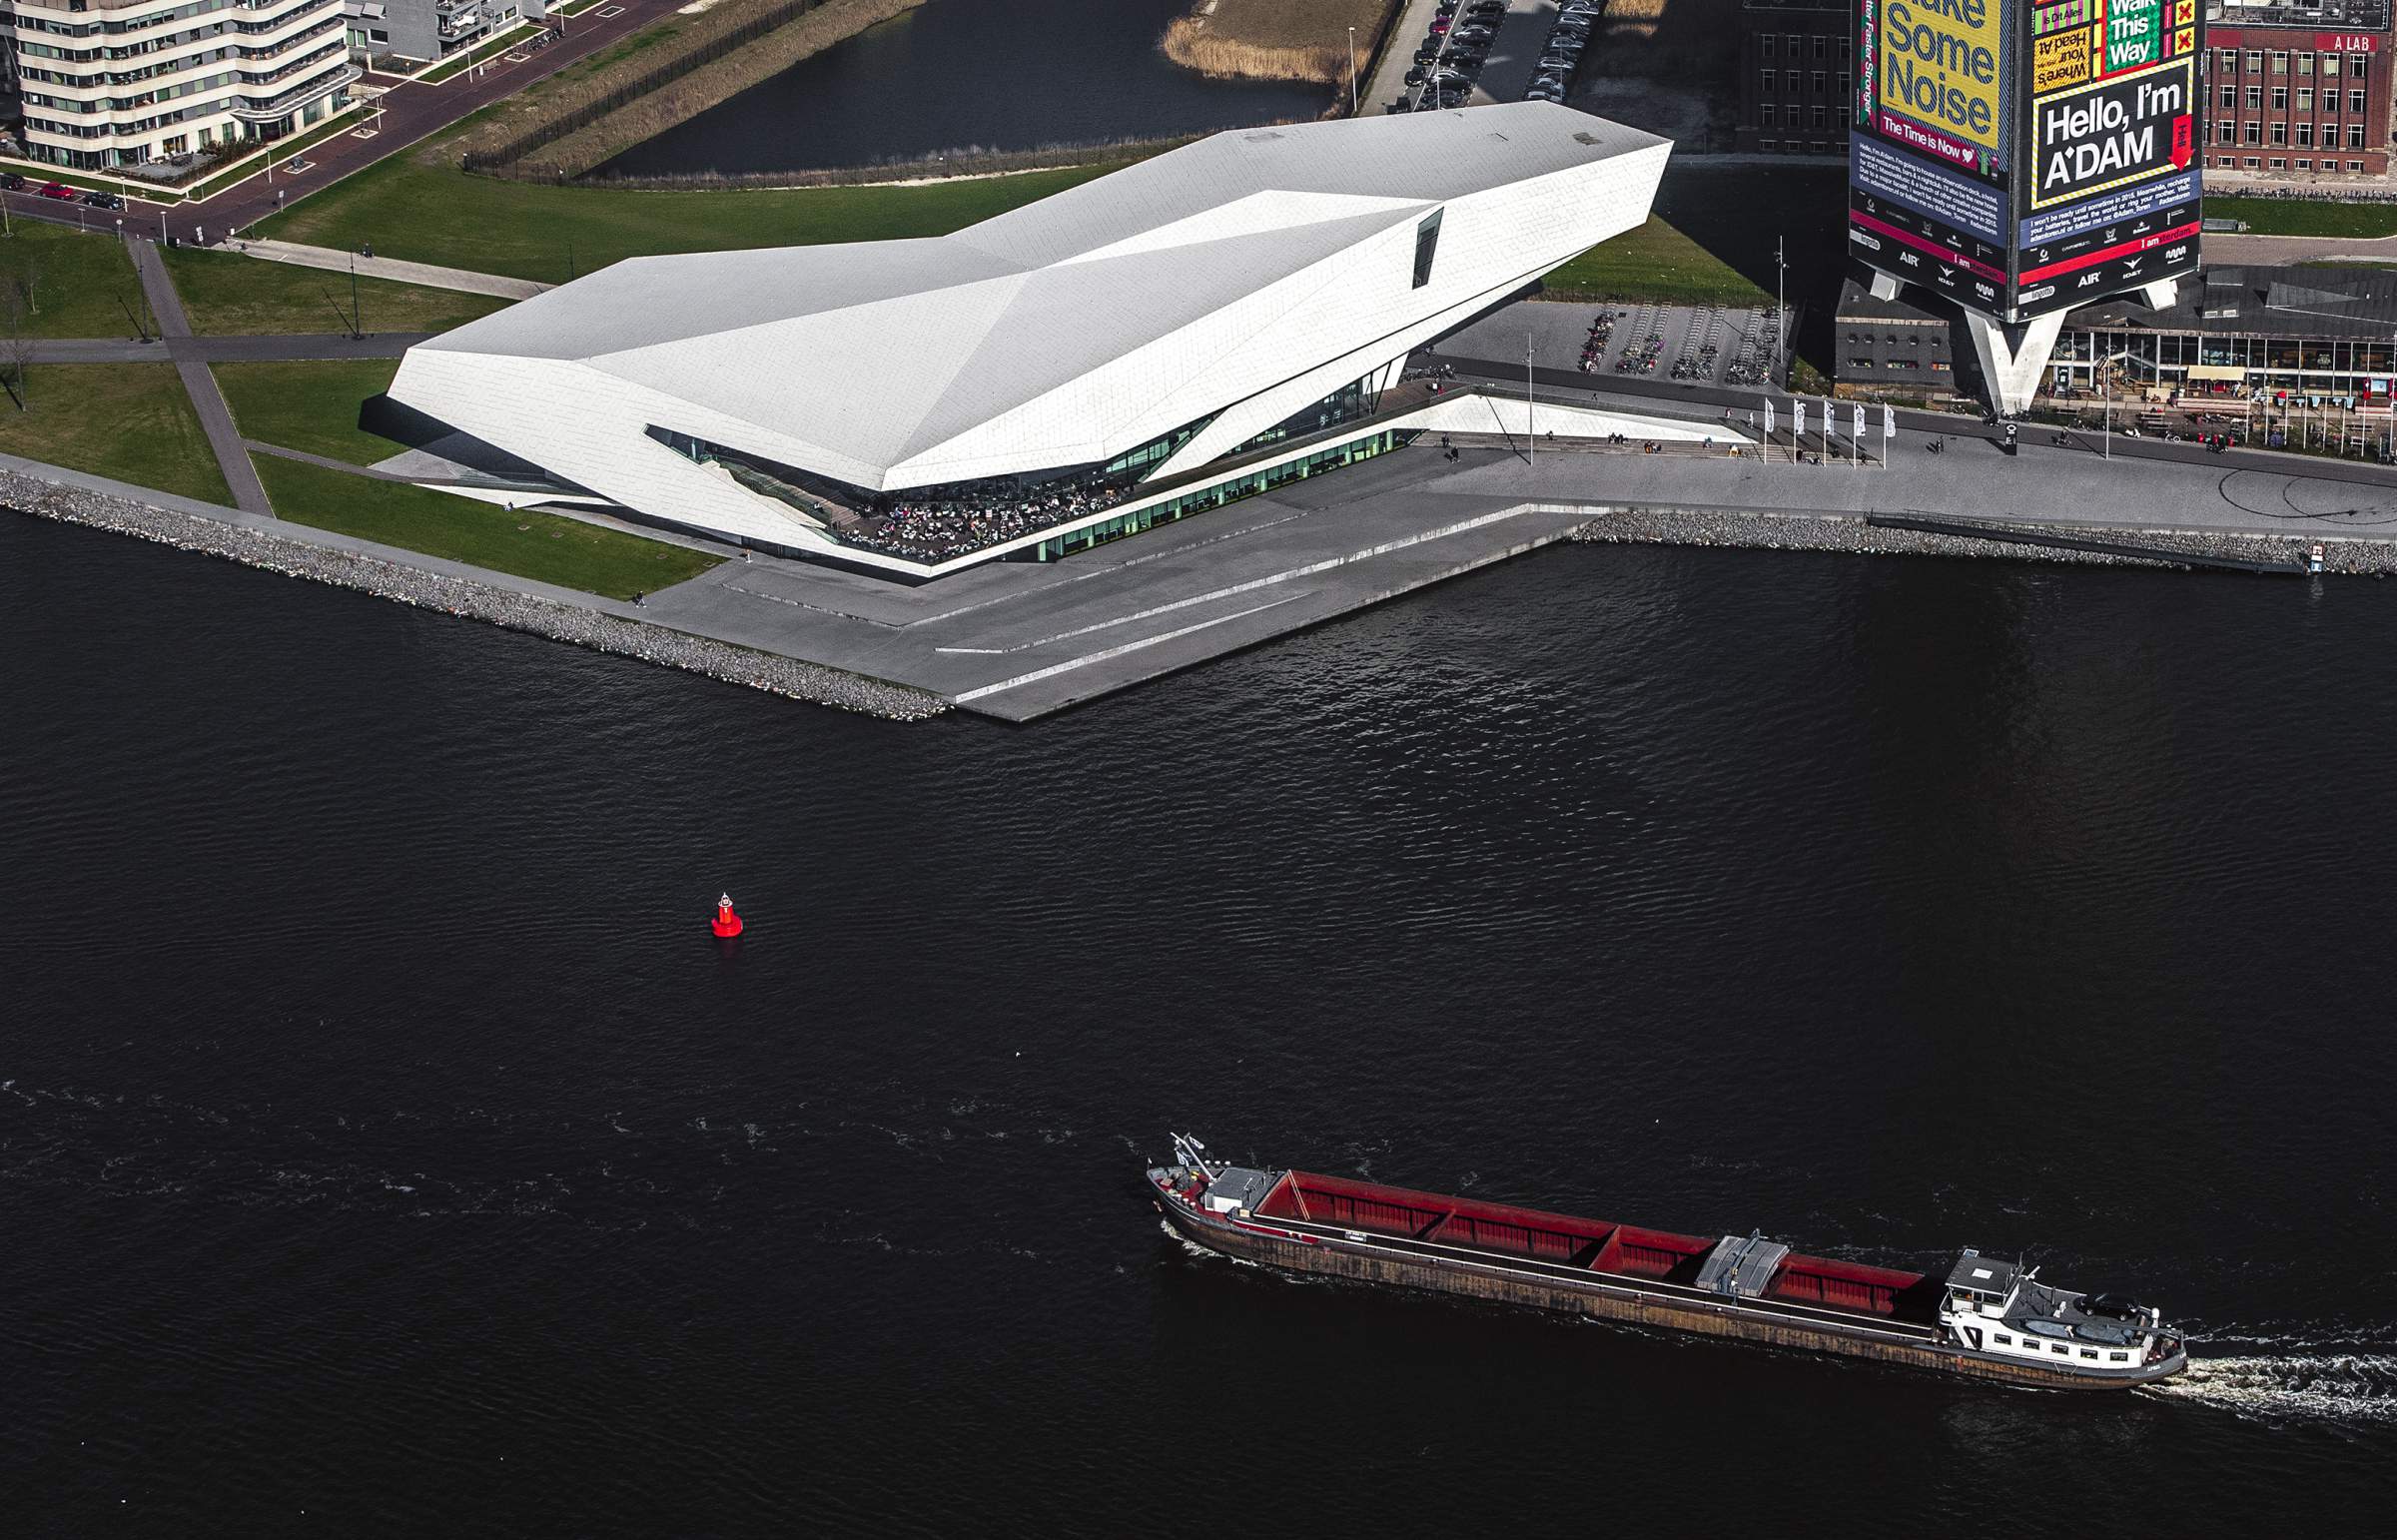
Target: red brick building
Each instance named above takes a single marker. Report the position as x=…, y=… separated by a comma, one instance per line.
x=1797, y=76
x=2298, y=92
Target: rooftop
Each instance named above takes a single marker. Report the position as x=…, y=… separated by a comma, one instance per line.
x=2277, y=302
x=884, y=355
x=1986, y=1274
x=2320, y=15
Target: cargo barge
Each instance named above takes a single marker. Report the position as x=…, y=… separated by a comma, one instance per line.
x=1985, y=1317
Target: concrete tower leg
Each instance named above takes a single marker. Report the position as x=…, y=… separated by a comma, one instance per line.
x=2160, y=293
x=2014, y=366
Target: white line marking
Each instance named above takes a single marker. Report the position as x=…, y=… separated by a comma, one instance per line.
x=1055, y=669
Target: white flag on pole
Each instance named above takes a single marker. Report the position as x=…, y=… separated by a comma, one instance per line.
x=1768, y=419
x=1888, y=422
x=1798, y=419
x=1859, y=421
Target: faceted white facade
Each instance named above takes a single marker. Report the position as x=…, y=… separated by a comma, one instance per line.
x=1224, y=285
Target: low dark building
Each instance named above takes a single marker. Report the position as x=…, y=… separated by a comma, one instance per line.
x=2272, y=349
x=2298, y=91
x=1797, y=76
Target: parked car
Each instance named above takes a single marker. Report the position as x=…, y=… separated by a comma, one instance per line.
x=59, y=190
x=11, y=182
x=100, y=199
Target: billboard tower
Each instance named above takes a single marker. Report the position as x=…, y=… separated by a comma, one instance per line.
x=2024, y=157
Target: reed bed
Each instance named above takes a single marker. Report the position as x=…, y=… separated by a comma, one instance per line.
x=1303, y=40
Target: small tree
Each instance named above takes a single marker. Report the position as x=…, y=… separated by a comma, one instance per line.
x=16, y=345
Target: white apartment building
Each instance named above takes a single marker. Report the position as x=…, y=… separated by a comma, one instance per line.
x=118, y=82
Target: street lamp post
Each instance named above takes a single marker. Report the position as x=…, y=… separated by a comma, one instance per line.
x=1531, y=433
x=1353, y=109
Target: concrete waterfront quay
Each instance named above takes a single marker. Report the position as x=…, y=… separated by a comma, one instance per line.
x=1018, y=641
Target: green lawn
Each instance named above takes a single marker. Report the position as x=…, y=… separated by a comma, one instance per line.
x=310, y=406
x=537, y=545
x=77, y=283
x=1711, y=236
x=430, y=212
x=2304, y=216
x=227, y=293
x=132, y=421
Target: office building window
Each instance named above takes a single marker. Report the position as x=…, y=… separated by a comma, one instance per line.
x=2255, y=61
x=2250, y=161
x=2226, y=132
x=1821, y=45
x=2231, y=96
x=2355, y=136
x=2303, y=164
x=2355, y=164
x=1818, y=116
x=2251, y=133
x=2358, y=66
x=1791, y=77
x=2277, y=164
x=1764, y=116
x=2305, y=136
x=2305, y=100
x=2280, y=62
x=2280, y=99
x=2255, y=99
x=2280, y=133
x=2305, y=64
x=1770, y=78
x=1767, y=42
x=2355, y=102
x=2330, y=65
x=1818, y=78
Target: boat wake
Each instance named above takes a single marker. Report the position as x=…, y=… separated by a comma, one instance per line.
x=2282, y=1387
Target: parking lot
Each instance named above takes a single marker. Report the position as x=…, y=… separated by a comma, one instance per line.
x=1482, y=50
x=1712, y=344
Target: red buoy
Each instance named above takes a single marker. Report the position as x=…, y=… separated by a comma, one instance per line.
x=726, y=923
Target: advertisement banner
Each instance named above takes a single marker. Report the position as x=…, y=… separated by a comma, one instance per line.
x=2111, y=217
x=1940, y=69
x=2134, y=34
x=2123, y=130
x=2062, y=60
x=1896, y=178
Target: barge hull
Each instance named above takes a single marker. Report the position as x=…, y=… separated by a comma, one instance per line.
x=1606, y=1302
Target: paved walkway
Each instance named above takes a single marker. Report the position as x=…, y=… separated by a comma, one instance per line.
x=424, y=274
x=226, y=349
x=2279, y=250
x=216, y=418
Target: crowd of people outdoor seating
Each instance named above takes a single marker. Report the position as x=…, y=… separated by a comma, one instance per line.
x=973, y=515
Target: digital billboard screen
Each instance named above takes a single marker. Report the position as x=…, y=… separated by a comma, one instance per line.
x=2024, y=157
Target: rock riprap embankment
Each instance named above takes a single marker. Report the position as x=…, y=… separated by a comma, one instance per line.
x=592, y=628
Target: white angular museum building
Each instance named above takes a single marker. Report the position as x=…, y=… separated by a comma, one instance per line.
x=1206, y=324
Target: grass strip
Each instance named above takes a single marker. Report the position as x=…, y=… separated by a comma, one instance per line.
x=230, y=295
x=310, y=406
x=2306, y=217
x=73, y=283
x=542, y=546
x=427, y=211
x=132, y=421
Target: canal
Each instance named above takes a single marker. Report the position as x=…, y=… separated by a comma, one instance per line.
x=970, y=74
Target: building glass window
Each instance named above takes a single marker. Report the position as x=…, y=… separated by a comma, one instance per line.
x=1764, y=116
x=1767, y=41
x=2280, y=133
x=2355, y=136
x=2305, y=64
x=2251, y=133
x=2355, y=102
x=2230, y=96
x=2305, y=136
x=1819, y=82
x=1818, y=116
x=1770, y=77
x=2226, y=132
x=2330, y=65
x=2255, y=98
x=2305, y=100
x=1427, y=244
x=2255, y=61
x=1821, y=45
x=2280, y=62
x=2280, y=99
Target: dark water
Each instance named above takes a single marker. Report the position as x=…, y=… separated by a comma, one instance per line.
x=971, y=74
x=385, y=1148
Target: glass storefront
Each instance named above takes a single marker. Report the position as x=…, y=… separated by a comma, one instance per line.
x=1198, y=500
